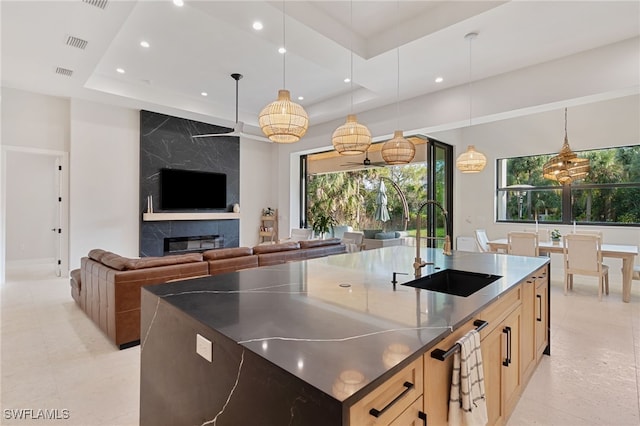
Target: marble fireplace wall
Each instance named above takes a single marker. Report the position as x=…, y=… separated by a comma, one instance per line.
x=166, y=142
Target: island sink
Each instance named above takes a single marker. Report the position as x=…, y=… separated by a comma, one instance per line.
x=451, y=281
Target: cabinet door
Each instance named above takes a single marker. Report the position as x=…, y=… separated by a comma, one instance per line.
x=512, y=377
x=541, y=317
x=502, y=379
x=527, y=333
x=437, y=379
x=492, y=358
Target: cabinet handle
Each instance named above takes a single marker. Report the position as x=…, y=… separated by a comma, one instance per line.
x=441, y=355
x=423, y=416
x=377, y=413
x=539, y=318
x=507, y=360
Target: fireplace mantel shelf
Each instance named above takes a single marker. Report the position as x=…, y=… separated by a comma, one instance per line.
x=148, y=217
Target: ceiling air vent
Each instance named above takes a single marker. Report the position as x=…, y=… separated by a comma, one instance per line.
x=97, y=3
x=64, y=71
x=76, y=42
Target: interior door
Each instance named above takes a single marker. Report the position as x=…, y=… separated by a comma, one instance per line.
x=33, y=212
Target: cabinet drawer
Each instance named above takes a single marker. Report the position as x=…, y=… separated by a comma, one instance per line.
x=499, y=309
x=411, y=416
x=391, y=398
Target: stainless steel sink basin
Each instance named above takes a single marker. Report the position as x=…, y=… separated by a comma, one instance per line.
x=451, y=281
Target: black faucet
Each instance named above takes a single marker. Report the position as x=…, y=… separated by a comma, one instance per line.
x=394, y=281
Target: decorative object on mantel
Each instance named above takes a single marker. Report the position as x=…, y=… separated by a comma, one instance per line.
x=566, y=167
x=149, y=203
x=398, y=150
x=351, y=138
x=236, y=208
x=283, y=121
x=471, y=161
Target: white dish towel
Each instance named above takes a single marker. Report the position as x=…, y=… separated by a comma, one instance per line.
x=467, y=404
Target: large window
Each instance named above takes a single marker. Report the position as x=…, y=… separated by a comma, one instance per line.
x=609, y=195
x=348, y=190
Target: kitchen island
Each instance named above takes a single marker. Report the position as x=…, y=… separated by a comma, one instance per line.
x=308, y=343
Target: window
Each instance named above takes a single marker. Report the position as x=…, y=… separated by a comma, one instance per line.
x=347, y=188
x=609, y=195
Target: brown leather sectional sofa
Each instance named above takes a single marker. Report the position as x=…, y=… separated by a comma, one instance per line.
x=107, y=286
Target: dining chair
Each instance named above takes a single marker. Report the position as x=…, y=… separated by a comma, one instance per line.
x=523, y=243
x=590, y=232
x=544, y=235
x=299, y=234
x=583, y=256
x=355, y=238
x=482, y=240
x=636, y=272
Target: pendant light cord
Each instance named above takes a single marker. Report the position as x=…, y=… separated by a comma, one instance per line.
x=470, y=97
x=351, y=58
x=566, y=139
x=398, y=71
x=284, y=46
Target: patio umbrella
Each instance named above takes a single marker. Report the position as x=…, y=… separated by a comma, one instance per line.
x=382, y=214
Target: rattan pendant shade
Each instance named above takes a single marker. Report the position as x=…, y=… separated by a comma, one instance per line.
x=398, y=150
x=352, y=138
x=471, y=161
x=283, y=121
x=566, y=167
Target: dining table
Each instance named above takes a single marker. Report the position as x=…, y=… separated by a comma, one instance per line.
x=626, y=252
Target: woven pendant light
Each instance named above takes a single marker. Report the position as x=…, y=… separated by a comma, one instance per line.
x=398, y=150
x=351, y=138
x=471, y=161
x=283, y=121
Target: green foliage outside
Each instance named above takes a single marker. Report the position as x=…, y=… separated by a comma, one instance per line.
x=617, y=170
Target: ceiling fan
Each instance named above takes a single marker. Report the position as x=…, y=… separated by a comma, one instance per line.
x=366, y=162
x=239, y=126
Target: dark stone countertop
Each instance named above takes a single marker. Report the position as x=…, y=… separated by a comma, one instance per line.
x=320, y=318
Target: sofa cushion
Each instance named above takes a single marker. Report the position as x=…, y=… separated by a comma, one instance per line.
x=385, y=235
x=371, y=233
x=227, y=253
x=97, y=254
x=151, y=262
x=271, y=248
x=319, y=243
x=114, y=261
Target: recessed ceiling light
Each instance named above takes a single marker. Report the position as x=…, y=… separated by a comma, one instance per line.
x=347, y=80
x=178, y=3
x=257, y=25
x=204, y=93
x=301, y=98
x=120, y=70
x=144, y=43
x=439, y=79
x=282, y=50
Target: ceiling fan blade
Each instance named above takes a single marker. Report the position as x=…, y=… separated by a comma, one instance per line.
x=213, y=135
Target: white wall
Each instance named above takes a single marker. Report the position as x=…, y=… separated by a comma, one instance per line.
x=104, y=180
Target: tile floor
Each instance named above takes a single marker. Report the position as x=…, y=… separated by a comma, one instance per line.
x=54, y=358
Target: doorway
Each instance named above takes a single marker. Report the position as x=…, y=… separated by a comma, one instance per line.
x=34, y=213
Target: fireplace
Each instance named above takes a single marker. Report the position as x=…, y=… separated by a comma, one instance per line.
x=196, y=243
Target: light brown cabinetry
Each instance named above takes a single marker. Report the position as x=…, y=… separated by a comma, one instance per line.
x=541, y=316
x=393, y=400
x=512, y=343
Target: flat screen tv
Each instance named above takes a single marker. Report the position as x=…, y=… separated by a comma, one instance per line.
x=191, y=190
